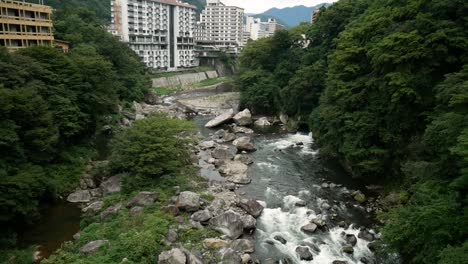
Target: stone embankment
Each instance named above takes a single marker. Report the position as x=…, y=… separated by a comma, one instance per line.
x=184, y=79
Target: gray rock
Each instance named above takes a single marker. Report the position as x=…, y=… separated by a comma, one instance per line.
x=173, y=256
x=207, y=144
x=215, y=243
x=262, y=122
x=93, y=247
x=325, y=206
x=366, y=235
x=359, y=197
x=188, y=201
x=248, y=222
x=301, y=203
x=137, y=210
x=243, y=118
x=231, y=257
x=192, y=258
x=251, y=206
x=170, y=209
x=229, y=223
x=284, y=118
x=351, y=239
x=348, y=249
x=235, y=171
x=77, y=236
x=339, y=262
x=80, y=196
x=246, y=259
x=309, y=228
x=143, y=199
x=243, y=143
x=222, y=152
x=195, y=224
x=304, y=253
x=93, y=207
x=110, y=211
x=281, y=239
x=202, y=216
x=242, y=246
x=96, y=192
x=319, y=222
x=221, y=119
x=112, y=185
x=172, y=235
x=246, y=159
x=239, y=129
x=372, y=246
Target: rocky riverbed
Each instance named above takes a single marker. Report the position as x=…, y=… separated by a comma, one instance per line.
x=273, y=199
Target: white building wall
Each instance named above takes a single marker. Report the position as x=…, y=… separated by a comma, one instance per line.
x=154, y=28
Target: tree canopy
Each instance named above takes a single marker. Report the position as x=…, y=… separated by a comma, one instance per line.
x=384, y=87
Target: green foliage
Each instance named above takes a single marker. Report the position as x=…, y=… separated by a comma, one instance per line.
x=454, y=255
x=51, y=103
x=385, y=87
x=152, y=147
x=432, y=219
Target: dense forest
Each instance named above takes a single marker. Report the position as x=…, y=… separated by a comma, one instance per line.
x=384, y=87
x=52, y=104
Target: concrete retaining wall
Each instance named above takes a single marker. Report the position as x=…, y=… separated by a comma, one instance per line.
x=184, y=79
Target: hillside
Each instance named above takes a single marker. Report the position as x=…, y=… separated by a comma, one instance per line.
x=291, y=16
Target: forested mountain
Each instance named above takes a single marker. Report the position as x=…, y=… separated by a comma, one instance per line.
x=384, y=87
x=291, y=16
x=51, y=104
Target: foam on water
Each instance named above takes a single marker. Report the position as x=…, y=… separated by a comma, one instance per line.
x=286, y=221
x=267, y=165
x=291, y=140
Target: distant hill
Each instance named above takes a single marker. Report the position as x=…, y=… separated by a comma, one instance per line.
x=292, y=16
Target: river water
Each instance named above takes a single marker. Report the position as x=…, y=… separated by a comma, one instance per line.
x=288, y=169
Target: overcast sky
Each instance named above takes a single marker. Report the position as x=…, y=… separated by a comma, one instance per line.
x=259, y=6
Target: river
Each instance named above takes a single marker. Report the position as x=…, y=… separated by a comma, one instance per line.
x=288, y=169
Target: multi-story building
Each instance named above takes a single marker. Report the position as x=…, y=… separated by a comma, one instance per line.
x=314, y=15
x=25, y=24
x=221, y=26
x=161, y=32
x=259, y=29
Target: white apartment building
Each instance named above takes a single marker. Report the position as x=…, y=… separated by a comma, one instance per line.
x=221, y=26
x=161, y=32
x=259, y=29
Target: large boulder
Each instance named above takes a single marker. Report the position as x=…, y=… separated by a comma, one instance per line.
x=222, y=152
x=235, y=171
x=143, y=199
x=284, y=118
x=351, y=239
x=304, y=253
x=229, y=223
x=243, y=118
x=366, y=235
x=262, y=122
x=239, y=129
x=207, y=144
x=112, y=185
x=188, y=201
x=309, y=228
x=359, y=197
x=202, y=216
x=80, y=196
x=242, y=246
x=215, y=243
x=93, y=247
x=251, y=206
x=246, y=159
x=173, y=256
x=244, y=144
x=110, y=211
x=248, y=222
x=231, y=257
x=93, y=207
x=221, y=119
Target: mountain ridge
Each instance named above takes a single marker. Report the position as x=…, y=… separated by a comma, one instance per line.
x=292, y=16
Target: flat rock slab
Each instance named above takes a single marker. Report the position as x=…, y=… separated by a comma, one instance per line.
x=221, y=119
x=93, y=247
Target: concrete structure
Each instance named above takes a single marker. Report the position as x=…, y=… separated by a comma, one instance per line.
x=161, y=32
x=259, y=29
x=221, y=27
x=314, y=15
x=24, y=24
x=183, y=79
